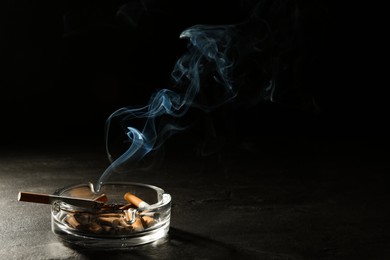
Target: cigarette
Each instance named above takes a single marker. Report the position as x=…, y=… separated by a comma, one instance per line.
x=135, y=200
x=83, y=219
x=147, y=221
x=121, y=230
x=108, y=219
x=114, y=215
x=111, y=221
x=72, y=221
x=95, y=228
x=106, y=228
x=123, y=223
x=49, y=199
x=127, y=206
x=137, y=225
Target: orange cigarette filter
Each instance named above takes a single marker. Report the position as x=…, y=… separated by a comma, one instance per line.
x=147, y=221
x=130, y=197
x=72, y=221
x=137, y=225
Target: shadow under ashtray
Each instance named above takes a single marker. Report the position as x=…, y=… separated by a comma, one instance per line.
x=178, y=244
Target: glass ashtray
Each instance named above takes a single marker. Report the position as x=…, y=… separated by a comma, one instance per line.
x=120, y=223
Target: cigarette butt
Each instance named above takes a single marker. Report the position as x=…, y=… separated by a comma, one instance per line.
x=149, y=214
x=148, y=221
x=107, y=215
x=102, y=198
x=127, y=206
x=121, y=229
x=71, y=220
x=106, y=207
x=112, y=221
x=83, y=219
x=95, y=228
x=135, y=200
x=106, y=228
x=123, y=223
x=137, y=225
x=144, y=224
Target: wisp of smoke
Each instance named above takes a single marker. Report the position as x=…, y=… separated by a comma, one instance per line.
x=207, y=45
x=261, y=54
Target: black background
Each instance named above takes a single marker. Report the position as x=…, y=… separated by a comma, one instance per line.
x=67, y=65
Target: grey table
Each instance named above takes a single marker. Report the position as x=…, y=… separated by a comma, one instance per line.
x=294, y=199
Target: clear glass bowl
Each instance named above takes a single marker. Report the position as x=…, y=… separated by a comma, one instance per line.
x=115, y=225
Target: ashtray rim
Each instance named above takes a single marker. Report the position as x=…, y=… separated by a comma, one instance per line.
x=165, y=197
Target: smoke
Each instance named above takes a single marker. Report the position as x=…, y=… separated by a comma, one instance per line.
x=208, y=46
x=239, y=64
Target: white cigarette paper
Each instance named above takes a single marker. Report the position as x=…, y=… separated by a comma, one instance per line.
x=49, y=199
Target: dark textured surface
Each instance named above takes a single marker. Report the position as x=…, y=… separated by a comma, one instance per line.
x=286, y=199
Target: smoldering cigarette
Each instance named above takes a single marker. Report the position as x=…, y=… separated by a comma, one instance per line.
x=129, y=197
x=49, y=199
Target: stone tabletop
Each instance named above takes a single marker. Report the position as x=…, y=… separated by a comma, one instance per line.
x=292, y=200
